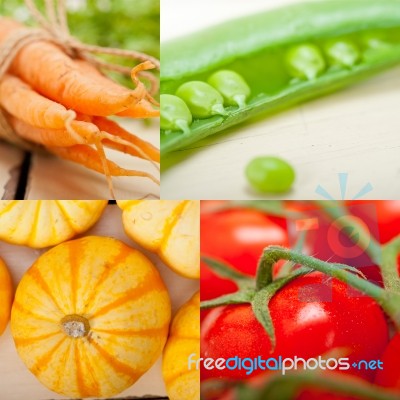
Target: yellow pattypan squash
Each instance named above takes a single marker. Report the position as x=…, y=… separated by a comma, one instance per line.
x=43, y=223
x=90, y=317
x=6, y=293
x=181, y=380
x=168, y=227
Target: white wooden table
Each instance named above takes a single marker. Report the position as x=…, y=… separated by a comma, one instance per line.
x=354, y=132
x=52, y=178
x=16, y=382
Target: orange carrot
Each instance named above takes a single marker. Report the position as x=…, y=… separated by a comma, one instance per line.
x=89, y=157
x=112, y=127
x=24, y=103
x=54, y=74
x=54, y=137
x=45, y=92
x=107, y=132
x=143, y=109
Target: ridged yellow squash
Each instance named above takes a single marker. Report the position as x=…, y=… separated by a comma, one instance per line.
x=171, y=228
x=181, y=379
x=43, y=223
x=90, y=317
x=6, y=293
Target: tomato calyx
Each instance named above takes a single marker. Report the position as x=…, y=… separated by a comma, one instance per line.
x=257, y=292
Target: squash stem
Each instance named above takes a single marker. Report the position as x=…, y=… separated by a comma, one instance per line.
x=75, y=326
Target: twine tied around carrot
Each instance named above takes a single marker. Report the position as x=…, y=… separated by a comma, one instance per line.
x=54, y=28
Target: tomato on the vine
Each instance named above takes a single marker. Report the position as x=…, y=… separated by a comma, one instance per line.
x=312, y=315
x=383, y=216
x=389, y=376
x=238, y=237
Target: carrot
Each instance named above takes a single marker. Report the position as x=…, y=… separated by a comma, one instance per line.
x=54, y=74
x=112, y=127
x=24, y=103
x=108, y=133
x=61, y=103
x=53, y=137
x=89, y=157
x=142, y=109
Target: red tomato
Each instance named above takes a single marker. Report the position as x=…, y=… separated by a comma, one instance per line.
x=388, y=219
x=237, y=237
x=311, y=315
x=390, y=375
x=207, y=206
x=331, y=241
x=212, y=285
x=383, y=217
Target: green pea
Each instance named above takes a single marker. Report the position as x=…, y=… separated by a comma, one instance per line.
x=175, y=114
x=286, y=56
x=375, y=40
x=343, y=52
x=202, y=99
x=305, y=61
x=232, y=86
x=270, y=174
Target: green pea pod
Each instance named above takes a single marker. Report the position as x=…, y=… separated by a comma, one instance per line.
x=279, y=58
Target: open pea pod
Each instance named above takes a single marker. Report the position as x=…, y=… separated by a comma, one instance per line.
x=219, y=77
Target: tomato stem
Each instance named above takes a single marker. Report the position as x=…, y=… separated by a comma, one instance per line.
x=389, y=269
x=384, y=256
x=389, y=301
x=225, y=271
x=359, y=235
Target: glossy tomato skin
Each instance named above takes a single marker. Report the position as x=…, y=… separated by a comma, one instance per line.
x=388, y=219
x=383, y=213
x=390, y=375
x=331, y=241
x=312, y=315
x=238, y=238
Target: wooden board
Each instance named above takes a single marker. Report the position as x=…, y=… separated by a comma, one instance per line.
x=16, y=382
x=354, y=132
x=10, y=162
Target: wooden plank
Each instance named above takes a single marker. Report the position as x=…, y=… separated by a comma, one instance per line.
x=17, y=382
x=10, y=160
x=355, y=131
x=52, y=178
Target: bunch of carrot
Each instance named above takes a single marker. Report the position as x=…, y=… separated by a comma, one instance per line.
x=62, y=103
